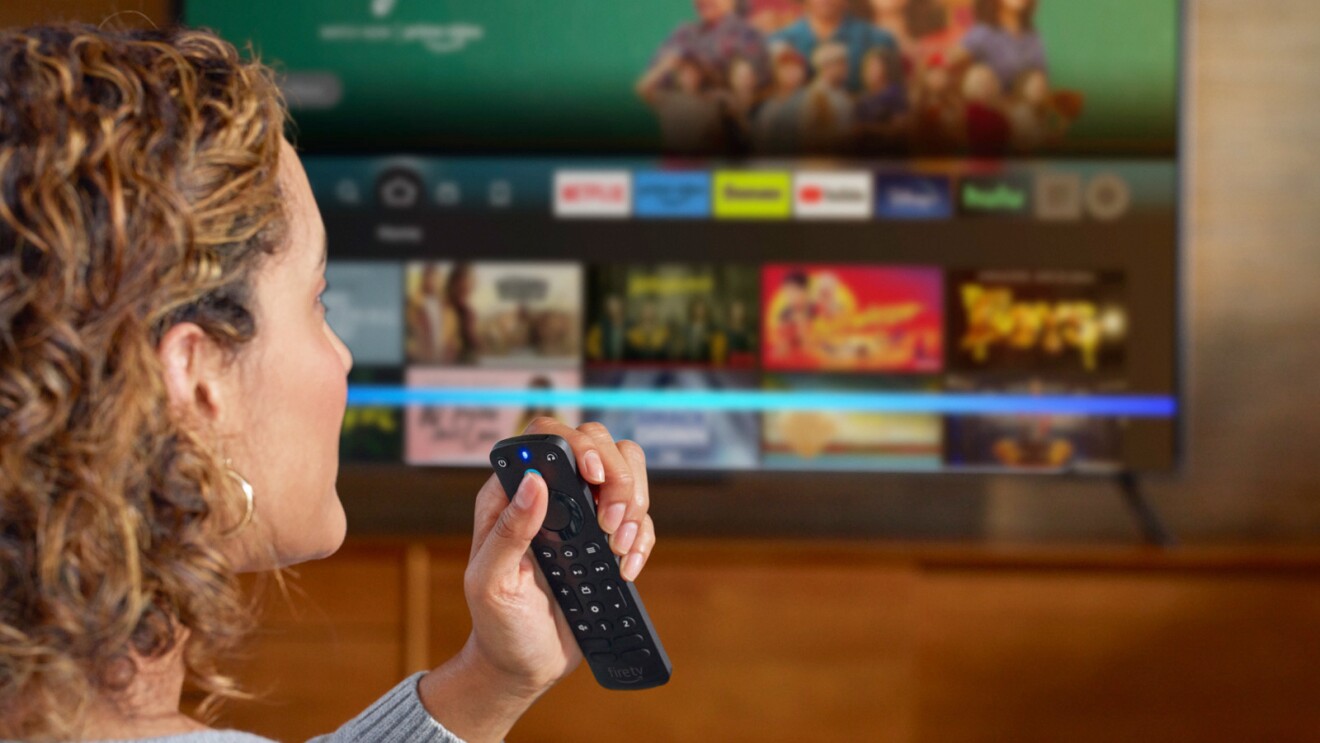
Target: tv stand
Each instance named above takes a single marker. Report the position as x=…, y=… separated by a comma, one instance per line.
x=1153, y=530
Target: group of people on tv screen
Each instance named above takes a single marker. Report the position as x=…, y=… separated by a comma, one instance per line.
x=857, y=77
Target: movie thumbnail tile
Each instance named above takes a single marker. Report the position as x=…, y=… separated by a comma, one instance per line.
x=1027, y=441
x=505, y=314
x=1037, y=320
x=830, y=439
x=372, y=433
x=364, y=306
x=672, y=314
x=852, y=318
x=464, y=434
x=676, y=436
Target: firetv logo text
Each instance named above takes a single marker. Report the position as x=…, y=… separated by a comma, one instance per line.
x=593, y=193
x=629, y=675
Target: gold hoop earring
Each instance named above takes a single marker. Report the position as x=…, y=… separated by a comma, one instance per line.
x=247, y=494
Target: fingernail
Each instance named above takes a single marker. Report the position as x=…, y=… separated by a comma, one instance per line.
x=523, y=496
x=595, y=470
x=612, y=517
x=632, y=565
x=624, y=537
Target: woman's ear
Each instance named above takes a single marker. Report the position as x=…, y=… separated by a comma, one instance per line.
x=193, y=363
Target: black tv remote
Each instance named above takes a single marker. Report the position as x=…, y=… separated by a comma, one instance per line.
x=604, y=610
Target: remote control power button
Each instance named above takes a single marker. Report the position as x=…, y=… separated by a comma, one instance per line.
x=557, y=515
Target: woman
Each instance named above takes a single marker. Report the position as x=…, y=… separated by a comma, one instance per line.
x=1004, y=39
x=919, y=27
x=457, y=302
x=171, y=399
x=688, y=109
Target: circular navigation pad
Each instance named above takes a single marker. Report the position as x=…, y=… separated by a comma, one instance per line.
x=557, y=515
x=562, y=515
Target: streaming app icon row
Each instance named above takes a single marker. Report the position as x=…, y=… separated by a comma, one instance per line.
x=835, y=195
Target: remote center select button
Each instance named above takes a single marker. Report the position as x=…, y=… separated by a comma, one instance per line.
x=557, y=515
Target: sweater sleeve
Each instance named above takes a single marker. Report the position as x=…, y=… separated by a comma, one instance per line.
x=397, y=717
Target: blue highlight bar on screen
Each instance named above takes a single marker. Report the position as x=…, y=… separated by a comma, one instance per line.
x=943, y=403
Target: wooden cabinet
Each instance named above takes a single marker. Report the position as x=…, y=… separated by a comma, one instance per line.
x=775, y=640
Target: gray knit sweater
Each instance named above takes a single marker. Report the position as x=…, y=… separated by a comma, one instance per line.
x=397, y=717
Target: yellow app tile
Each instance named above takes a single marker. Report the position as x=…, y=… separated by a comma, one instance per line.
x=753, y=195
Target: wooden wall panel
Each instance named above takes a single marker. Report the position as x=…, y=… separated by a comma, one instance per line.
x=328, y=650
x=22, y=12
x=788, y=650
x=1082, y=656
x=775, y=640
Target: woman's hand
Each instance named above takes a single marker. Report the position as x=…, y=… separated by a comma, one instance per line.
x=520, y=643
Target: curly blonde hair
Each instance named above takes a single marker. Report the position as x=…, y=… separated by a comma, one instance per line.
x=137, y=191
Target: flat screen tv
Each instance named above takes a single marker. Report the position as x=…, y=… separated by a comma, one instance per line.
x=752, y=235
